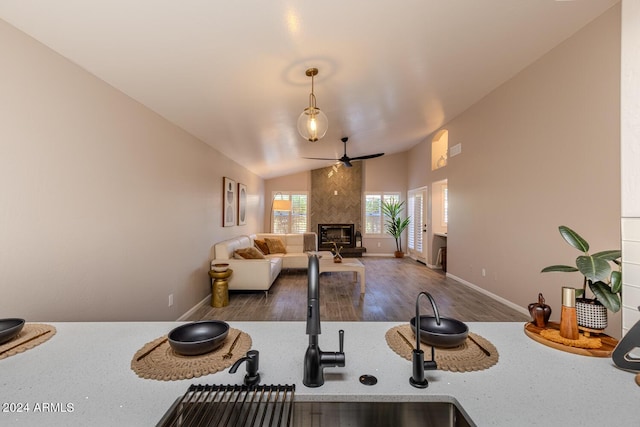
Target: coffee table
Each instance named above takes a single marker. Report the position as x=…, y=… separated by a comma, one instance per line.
x=326, y=265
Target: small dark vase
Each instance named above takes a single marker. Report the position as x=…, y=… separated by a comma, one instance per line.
x=540, y=312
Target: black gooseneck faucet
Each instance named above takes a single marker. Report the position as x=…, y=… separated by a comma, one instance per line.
x=315, y=360
x=419, y=365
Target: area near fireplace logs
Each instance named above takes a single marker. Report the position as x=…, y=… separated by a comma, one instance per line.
x=343, y=235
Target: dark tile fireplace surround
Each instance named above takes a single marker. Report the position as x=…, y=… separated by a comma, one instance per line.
x=336, y=201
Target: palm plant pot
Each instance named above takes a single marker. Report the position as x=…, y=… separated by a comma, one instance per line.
x=398, y=254
x=591, y=314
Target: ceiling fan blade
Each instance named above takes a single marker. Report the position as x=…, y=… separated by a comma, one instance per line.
x=346, y=160
x=320, y=158
x=370, y=156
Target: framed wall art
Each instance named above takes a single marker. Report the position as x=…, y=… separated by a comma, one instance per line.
x=229, y=202
x=242, y=204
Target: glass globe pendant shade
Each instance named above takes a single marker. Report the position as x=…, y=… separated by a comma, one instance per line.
x=312, y=124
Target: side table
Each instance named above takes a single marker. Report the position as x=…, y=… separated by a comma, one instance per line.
x=220, y=287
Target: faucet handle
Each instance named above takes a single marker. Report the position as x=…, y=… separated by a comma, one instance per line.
x=341, y=339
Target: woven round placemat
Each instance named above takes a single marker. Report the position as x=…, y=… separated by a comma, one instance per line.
x=466, y=357
x=31, y=335
x=156, y=360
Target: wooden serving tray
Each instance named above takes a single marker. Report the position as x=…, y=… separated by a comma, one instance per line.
x=608, y=343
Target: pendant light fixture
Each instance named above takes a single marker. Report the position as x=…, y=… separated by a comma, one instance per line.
x=312, y=123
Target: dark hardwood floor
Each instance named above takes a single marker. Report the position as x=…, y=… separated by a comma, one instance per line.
x=392, y=286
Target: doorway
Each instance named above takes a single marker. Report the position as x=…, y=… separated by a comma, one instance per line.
x=439, y=221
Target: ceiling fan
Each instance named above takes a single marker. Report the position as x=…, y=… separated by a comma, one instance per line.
x=346, y=160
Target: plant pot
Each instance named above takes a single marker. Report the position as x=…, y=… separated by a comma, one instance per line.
x=591, y=314
x=398, y=254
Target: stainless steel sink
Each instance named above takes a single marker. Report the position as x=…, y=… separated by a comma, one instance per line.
x=271, y=405
x=371, y=414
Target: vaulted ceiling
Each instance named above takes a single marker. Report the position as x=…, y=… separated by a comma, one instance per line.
x=232, y=73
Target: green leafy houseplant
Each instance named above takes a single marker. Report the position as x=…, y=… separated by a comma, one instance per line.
x=603, y=281
x=394, y=224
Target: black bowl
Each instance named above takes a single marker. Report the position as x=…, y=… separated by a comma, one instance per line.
x=197, y=338
x=9, y=328
x=449, y=333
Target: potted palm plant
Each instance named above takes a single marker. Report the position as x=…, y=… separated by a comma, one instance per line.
x=604, y=282
x=394, y=223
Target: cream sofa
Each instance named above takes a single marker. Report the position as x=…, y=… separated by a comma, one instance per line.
x=297, y=246
x=259, y=274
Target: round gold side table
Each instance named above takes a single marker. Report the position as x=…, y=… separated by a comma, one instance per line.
x=220, y=288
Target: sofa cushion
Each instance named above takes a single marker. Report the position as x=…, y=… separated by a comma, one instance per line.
x=262, y=245
x=226, y=249
x=294, y=243
x=291, y=260
x=276, y=246
x=249, y=253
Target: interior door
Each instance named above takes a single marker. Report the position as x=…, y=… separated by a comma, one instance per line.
x=417, y=232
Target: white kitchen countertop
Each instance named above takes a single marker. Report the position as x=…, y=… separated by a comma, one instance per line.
x=86, y=367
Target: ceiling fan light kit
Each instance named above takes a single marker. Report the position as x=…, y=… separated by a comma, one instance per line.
x=312, y=123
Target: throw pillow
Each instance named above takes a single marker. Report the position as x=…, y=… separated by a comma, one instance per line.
x=275, y=246
x=249, y=253
x=262, y=245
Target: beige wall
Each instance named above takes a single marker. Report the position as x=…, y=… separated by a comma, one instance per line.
x=540, y=151
x=105, y=207
x=386, y=173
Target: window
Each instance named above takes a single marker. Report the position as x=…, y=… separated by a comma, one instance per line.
x=415, y=208
x=445, y=205
x=294, y=220
x=373, y=218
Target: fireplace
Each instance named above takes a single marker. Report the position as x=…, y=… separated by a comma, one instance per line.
x=341, y=234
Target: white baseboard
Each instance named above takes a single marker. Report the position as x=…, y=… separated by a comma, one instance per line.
x=491, y=295
x=195, y=308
